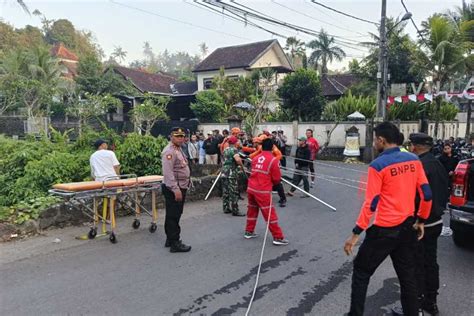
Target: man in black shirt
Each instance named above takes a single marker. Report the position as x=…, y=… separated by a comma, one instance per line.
x=427, y=248
x=211, y=147
x=449, y=161
x=302, y=161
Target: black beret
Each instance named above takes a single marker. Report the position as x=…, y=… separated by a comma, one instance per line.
x=421, y=139
x=178, y=131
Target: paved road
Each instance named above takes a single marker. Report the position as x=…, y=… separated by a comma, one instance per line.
x=138, y=276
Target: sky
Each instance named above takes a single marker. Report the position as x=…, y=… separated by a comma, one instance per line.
x=181, y=25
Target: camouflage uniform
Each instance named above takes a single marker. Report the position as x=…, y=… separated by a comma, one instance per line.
x=230, y=190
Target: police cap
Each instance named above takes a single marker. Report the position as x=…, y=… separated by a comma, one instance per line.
x=421, y=139
x=178, y=131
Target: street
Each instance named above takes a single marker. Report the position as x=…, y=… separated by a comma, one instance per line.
x=139, y=276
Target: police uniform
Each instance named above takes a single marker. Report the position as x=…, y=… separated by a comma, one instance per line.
x=427, y=248
x=176, y=177
x=393, y=180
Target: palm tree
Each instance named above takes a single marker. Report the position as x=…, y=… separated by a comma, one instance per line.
x=324, y=51
x=119, y=53
x=295, y=50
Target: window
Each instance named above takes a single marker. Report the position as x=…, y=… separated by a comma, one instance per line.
x=207, y=83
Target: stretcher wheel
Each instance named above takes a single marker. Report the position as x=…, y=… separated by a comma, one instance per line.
x=153, y=228
x=112, y=238
x=92, y=233
x=136, y=223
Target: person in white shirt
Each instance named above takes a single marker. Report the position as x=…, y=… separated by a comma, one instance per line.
x=104, y=163
x=193, y=149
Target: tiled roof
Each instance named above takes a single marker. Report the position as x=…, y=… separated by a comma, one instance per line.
x=240, y=56
x=185, y=87
x=60, y=51
x=337, y=85
x=147, y=82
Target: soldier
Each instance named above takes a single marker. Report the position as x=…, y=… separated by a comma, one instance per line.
x=230, y=172
x=176, y=181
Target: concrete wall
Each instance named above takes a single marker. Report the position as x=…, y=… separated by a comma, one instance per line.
x=211, y=74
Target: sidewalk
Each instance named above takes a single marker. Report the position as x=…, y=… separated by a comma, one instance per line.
x=56, y=239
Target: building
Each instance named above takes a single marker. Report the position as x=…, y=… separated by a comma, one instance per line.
x=241, y=60
x=67, y=59
x=335, y=86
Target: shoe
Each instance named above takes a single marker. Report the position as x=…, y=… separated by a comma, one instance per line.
x=304, y=196
x=431, y=308
x=289, y=193
x=179, y=247
x=227, y=212
x=167, y=244
x=282, y=203
x=239, y=214
x=249, y=235
x=280, y=242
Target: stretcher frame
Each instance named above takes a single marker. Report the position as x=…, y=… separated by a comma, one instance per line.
x=109, y=195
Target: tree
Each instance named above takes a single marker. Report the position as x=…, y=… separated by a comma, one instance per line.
x=301, y=94
x=209, y=106
x=33, y=76
x=119, y=54
x=443, y=54
x=153, y=109
x=324, y=51
x=204, y=50
x=92, y=106
x=296, y=51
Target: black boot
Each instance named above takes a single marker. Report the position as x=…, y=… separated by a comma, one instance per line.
x=178, y=246
x=167, y=244
x=431, y=308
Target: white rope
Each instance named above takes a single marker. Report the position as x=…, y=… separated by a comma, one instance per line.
x=261, y=259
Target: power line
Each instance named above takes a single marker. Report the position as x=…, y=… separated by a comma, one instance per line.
x=414, y=24
x=343, y=13
x=270, y=20
x=176, y=20
x=240, y=19
x=313, y=18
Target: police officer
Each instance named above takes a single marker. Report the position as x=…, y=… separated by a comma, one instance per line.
x=230, y=172
x=393, y=179
x=427, y=248
x=176, y=181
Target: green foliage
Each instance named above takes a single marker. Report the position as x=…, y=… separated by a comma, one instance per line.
x=324, y=51
x=339, y=110
x=26, y=210
x=301, y=95
x=410, y=111
x=209, y=106
x=141, y=155
x=152, y=109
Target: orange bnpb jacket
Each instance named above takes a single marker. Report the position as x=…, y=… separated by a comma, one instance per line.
x=393, y=180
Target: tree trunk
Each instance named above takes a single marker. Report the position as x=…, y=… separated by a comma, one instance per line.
x=468, y=120
x=438, y=107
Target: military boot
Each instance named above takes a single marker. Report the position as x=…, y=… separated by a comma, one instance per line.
x=178, y=246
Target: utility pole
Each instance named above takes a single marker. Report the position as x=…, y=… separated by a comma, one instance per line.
x=382, y=73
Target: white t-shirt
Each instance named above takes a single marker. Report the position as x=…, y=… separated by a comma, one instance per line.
x=102, y=164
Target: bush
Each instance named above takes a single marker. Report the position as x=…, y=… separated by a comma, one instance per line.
x=56, y=167
x=141, y=155
x=340, y=109
x=209, y=106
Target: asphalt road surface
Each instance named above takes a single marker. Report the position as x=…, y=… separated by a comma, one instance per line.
x=138, y=276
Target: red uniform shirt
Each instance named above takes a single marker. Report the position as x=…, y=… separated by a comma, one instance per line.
x=394, y=178
x=265, y=173
x=313, y=146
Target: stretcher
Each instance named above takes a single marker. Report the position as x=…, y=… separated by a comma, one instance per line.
x=136, y=188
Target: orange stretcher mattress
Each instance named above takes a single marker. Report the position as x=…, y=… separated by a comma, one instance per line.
x=95, y=185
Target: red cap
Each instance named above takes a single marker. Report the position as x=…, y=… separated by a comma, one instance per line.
x=232, y=140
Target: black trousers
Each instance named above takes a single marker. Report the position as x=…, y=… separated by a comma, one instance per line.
x=281, y=191
x=174, y=210
x=400, y=244
x=427, y=268
x=311, y=169
x=301, y=174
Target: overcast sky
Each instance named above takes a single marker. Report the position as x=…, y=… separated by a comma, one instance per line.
x=178, y=25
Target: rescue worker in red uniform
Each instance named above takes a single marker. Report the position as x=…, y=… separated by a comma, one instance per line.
x=265, y=174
